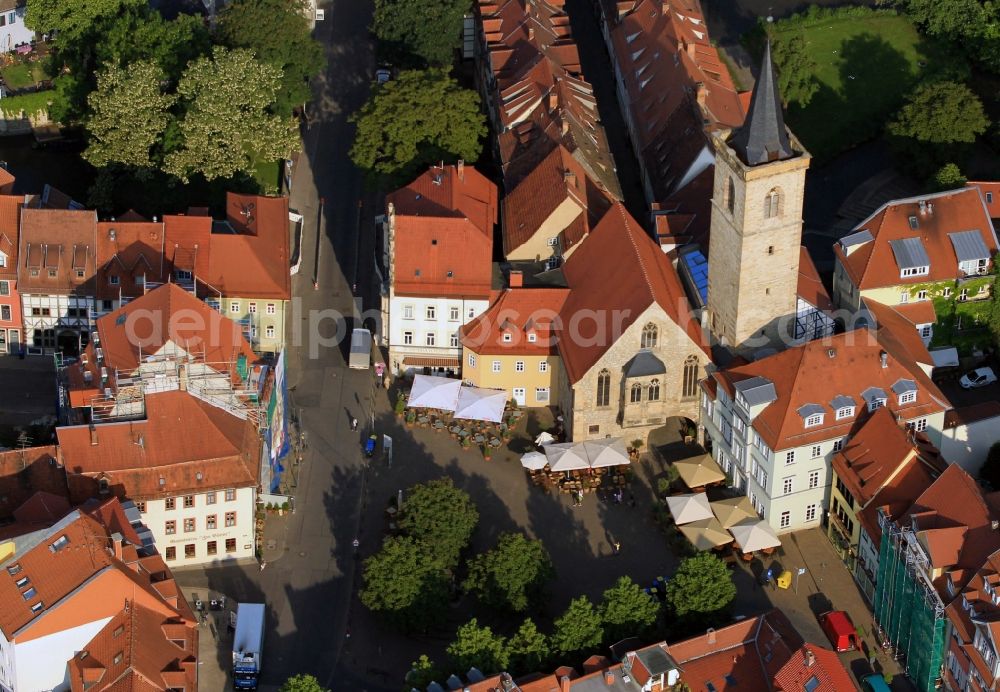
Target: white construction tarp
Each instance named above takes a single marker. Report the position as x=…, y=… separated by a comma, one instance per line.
x=434, y=392
x=688, y=508
x=609, y=451
x=534, y=461
x=566, y=456
x=752, y=536
x=476, y=403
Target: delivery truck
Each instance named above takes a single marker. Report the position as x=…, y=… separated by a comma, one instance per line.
x=361, y=349
x=248, y=645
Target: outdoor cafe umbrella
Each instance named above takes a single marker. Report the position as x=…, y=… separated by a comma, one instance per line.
x=688, y=508
x=733, y=510
x=534, y=461
x=706, y=534
x=434, y=392
x=699, y=471
x=608, y=451
x=478, y=403
x=566, y=456
x=544, y=438
x=752, y=536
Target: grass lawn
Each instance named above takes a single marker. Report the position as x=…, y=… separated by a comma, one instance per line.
x=266, y=175
x=865, y=65
x=23, y=74
x=29, y=103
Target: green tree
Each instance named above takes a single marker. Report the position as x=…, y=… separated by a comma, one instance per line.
x=949, y=177
x=143, y=34
x=414, y=120
x=229, y=125
x=993, y=317
x=72, y=18
x=402, y=585
x=419, y=31
x=478, y=647
x=796, y=67
x=941, y=113
x=302, y=683
x=701, y=585
x=513, y=575
x=990, y=470
x=528, y=649
x=129, y=113
x=627, y=611
x=422, y=673
x=578, y=628
x=440, y=516
x=279, y=34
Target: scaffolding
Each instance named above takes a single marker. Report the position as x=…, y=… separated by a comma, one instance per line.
x=908, y=609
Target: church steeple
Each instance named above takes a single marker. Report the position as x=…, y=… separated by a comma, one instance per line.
x=762, y=137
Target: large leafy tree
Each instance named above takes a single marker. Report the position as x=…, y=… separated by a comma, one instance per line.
x=528, y=649
x=143, y=34
x=974, y=25
x=702, y=585
x=440, y=516
x=578, y=628
x=419, y=31
x=279, y=34
x=627, y=611
x=941, y=113
x=478, y=647
x=229, y=124
x=796, y=68
x=402, y=585
x=129, y=113
x=513, y=575
x=302, y=683
x=420, y=117
x=422, y=673
x=72, y=18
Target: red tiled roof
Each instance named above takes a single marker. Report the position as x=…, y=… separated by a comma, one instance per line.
x=6, y=179
x=10, y=223
x=810, y=288
x=619, y=271
x=188, y=243
x=216, y=450
x=918, y=312
x=128, y=251
x=24, y=472
x=139, y=649
x=517, y=312
x=253, y=262
x=993, y=201
x=444, y=234
x=60, y=241
x=809, y=662
x=873, y=264
x=808, y=374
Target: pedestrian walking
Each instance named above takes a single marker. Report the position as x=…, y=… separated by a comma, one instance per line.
x=354, y=424
x=618, y=547
x=263, y=564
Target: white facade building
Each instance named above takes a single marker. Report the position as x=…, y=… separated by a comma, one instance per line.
x=13, y=32
x=428, y=328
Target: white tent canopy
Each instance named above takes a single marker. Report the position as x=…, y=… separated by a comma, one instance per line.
x=688, y=508
x=434, y=392
x=754, y=535
x=534, y=461
x=544, y=438
x=566, y=456
x=609, y=451
x=476, y=403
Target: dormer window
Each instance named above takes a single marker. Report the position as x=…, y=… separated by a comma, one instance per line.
x=532, y=337
x=914, y=271
x=812, y=415
x=876, y=403
x=907, y=397
x=845, y=412
x=507, y=337
x=905, y=391
x=814, y=420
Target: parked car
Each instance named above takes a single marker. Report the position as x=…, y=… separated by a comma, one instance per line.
x=838, y=627
x=383, y=74
x=874, y=683
x=980, y=377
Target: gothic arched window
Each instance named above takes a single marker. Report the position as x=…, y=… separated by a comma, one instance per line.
x=772, y=204
x=654, y=390
x=649, y=336
x=635, y=393
x=603, y=388
x=690, y=381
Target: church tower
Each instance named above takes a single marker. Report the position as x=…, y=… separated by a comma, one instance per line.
x=756, y=231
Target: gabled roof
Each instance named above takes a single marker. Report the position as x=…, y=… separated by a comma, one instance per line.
x=188, y=245
x=810, y=287
x=917, y=231
x=847, y=364
x=990, y=191
x=10, y=229
x=443, y=240
x=517, y=312
x=24, y=472
x=620, y=270
x=129, y=252
x=139, y=649
x=813, y=669
x=253, y=261
x=60, y=241
x=762, y=137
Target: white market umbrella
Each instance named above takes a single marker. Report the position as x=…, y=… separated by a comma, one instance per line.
x=545, y=438
x=688, y=508
x=752, y=536
x=734, y=510
x=566, y=456
x=534, y=461
x=434, y=392
x=476, y=403
x=609, y=451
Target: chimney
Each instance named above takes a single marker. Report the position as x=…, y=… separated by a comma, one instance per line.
x=117, y=545
x=884, y=358
x=553, y=100
x=609, y=677
x=690, y=47
x=810, y=658
x=565, y=126
x=516, y=278
x=923, y=207
x=531, y=33
x=506, y=682
x=564, y=684
x=930, y=208
x=710, y=633
x=182, y=377
x=460, y=169
x=93, y=435
x=700, y=93
x=570, y=177
x=995, y=524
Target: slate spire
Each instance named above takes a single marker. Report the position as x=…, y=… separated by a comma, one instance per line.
x=762, y=137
